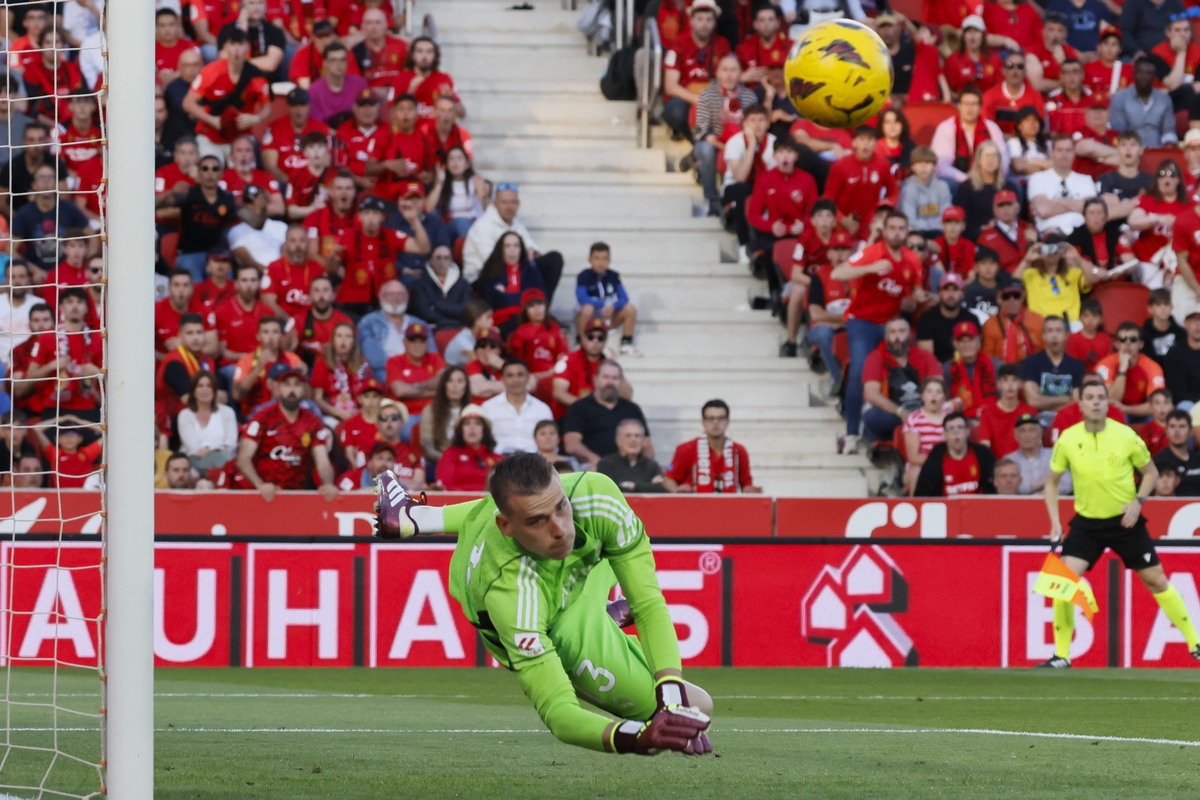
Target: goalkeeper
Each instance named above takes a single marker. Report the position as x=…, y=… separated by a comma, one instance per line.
x=532, y=570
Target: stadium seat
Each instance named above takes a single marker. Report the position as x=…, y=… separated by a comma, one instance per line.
x=913, y=9
x=1122, y=301
x=168, y=246
x=442, y=338
x=1153, y=156
x=923, y=117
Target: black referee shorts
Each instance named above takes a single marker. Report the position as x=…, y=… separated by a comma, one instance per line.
x=1087, y=539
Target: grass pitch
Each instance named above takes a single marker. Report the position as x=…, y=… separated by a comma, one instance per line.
x=428, y=733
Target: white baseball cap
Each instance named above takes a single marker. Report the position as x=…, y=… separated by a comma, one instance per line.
x=974, y=21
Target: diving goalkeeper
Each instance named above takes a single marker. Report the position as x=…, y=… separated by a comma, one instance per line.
x=532, y=570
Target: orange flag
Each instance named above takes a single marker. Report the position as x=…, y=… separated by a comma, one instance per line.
x=1059, y=582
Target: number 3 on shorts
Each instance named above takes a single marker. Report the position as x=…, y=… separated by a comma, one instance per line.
x=596, y=674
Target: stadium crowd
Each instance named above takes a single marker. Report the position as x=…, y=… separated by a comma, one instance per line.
x=1022, y=218
x=341, y=292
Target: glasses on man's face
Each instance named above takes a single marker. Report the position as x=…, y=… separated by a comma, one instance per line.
x=389, y=417
x=1018, y=65
x=1011, y=296
x=210, y=169
x=917, y=246
x=595, y=337
x=487, y=344
x=1128, y=339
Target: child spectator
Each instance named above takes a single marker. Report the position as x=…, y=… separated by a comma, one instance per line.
x=748, y=154
x=981, y=296
x=308, y=185
x=922, y=428
x=1154, y=432
x=71, y=461
x=1130, y=374
x=539, y=342
x=1160, y=331
x=922, y=199
x=412, y=375
x=381, y=458
x=779, y=207
x=359, y=432
x=997, y=421
x=600, y=294
x=957, y=466
x=827, y=301
x=956, y=254
x=1090, y=344
x=970, y=375
x=860, y=182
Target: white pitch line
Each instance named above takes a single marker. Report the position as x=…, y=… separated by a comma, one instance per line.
x=368, y=696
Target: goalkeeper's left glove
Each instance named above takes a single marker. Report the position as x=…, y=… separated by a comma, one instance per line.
x=671, y=695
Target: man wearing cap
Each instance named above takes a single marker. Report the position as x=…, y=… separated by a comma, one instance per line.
x=360, y=139
x=955, y=252
x=1095, y=142
x=257, y=239
x=282, y=443
x=422, y=79
x=282, y=152
x=1068, y=103
x=357, y=434
x=483, y=373
x=1002, y=102
x=515, y=413
x=212, y=101
x=285, y=281
x=956, y=139
x=690, y=64
x=970, y=375
x=380, y=56
x=937, y=328
x=1057, y=195
x=1014, y=332
x=249, y=379
x=1108, y=75
x=1143, y=108
x=334, y=92
x=407, y=155
x=1032, y=458
x=1007, y=235
x=574, y=375
x=500, y=218
x=412, y=375
x=243, y=171
x=410, y=204
x=764, y=53
x=1045, y=58
x=382, y=457
x=369, y=253
x=309, y=61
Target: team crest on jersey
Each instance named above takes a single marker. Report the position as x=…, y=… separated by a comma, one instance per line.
x=306, y=439
x=528, y=644
x=974, y=471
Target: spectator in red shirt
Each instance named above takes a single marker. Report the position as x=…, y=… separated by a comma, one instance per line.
x=360, y=431
x=1002, y=102
x=381, y=459
x=237, y=319
x=360, y=139
x=539, y=342
x=1090, y=344
x=1108, y=74
x=860, y=182
x=219, y=286
x=575, y=374
x=23, y=52
x=997, y=420
x=827, y=303
x=51, y=79
x=971, y=375
x=368, y=257
x=250, y=375
x=308, y=186
x=339, y=375
x=955, y=253
x=285, y=284
x=281, y=444
x=779, y=207
x=380, y=56
x=1008, y=236
x=169, y=44
x=171, y=183
x=41, y=318
x=180, y=300
x=1046, y=57
x=412, y=376
x=891, y=380
x=1175, y=60
x=1154, y=433
x=884, y=277
x=282, y=145
x=314, y=327
x=1068, y=104
x=422, y=80
x=690, y=65
x=957, y=466
x=328, y=225
x=1017, y=22
x=79, y=148
x=975, y=63
x=71, y=461
x=243, y=172
x=443, y=131
x=71, y=360
x=309, y=60
x=465, y=464
x=712, y=463
x=228, y=96
x=407, y=154
x=763, y=54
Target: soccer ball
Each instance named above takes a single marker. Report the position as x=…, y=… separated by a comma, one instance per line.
x=838, y=74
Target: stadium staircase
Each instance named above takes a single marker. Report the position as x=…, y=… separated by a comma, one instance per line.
x=538, y=119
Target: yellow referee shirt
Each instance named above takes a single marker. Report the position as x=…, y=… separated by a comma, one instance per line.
x=1101, y=465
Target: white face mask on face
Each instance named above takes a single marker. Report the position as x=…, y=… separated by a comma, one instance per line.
x=396, y=310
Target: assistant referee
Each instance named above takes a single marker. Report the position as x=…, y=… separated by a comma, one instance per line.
x=1102, y=455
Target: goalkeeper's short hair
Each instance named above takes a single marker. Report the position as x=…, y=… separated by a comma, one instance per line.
x=519, y=474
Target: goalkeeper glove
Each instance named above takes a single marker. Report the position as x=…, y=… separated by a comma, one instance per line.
x=679, y=729
x=671, y=694
x=393, y=508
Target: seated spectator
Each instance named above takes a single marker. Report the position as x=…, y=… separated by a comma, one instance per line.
x=712, y=463
x=23, y=167
x=887, y=276
x=1185, y=241
x=957, y=466
x=500, y=218
x=79, y=147
x=1052, y=378
x=505, y=276
x=208, y=428
x=516, y=412
x=282, y=152
x=1160, y=331
x=39, y=225
x=915, y=58
x=229, y=95
x=1002, y=102
x=860, y=182
x=177, y=473
x=267, y=41
x=688, y=65
x=970, y=376
x=951, y=249
x=67, y=362
x=452, y=395
x=178, y=123
x=361, y=138
x=1175, y=61
x=478, y=318
x=997, y=421
x=333, y=94
x=380, y=55
x=539, y=342
x=308, y=185
x=1028, y=151
x=1007, y=477
x=484, y=371
x=258, y=240
x=748, y=154
x=1007, y=236
x=719, y=114
x=1154, y=433
x=408, y=155
x=779, y=207
x=298, y=445
x=412, y=375
x=545, y=436
x=440, y=294
x=243, y=172
x=892, y=376
x=173, y=379
x=172, y=181
x=314, y=327
x=1096, y=143
x=1121, y=189
x=974, y=63
x=51, y=79
x=1179, y=456
x=1031, y=457
x=381, y=333
x=922, y=198
x=41, y=318
x=370, y=253
x=599, y=294
x=981, y=296
x=1108, y=74
x=408, y=216
x=1191, y=155
x=308, y=61
x=338, y=377
x=421, y=78
x=206, y=214
x=1099, y=244
x=590, y=425
x=1090, y=344
x=1055, y=277
x=1048, y=58
x=71, y=461
x=237, y=318
x=180, y=300
x=16, y=304
x=828, y=300
x=250, y=374
x=1129, y=374
x=1068, y=105
x=1154, y=221
x=1144, y=109
x=328, y=227
x=629, y=467
x=410, y=465
x=459, y=195
x=465, y=464
x=937, y=327
x=380, y=459
x=445, y=134
x=977, y=195
x=922, y=428
x=1166, y=484
x=359, y=432
x=763, y=53
x=286, y=279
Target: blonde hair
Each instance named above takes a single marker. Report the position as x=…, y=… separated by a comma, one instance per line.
x=976, y=173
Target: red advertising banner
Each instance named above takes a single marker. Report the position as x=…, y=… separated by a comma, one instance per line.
x=761, y=605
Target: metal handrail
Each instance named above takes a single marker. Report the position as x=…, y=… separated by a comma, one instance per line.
x=624, y=22
x=410, y=6
x=651, y=83
x=429, y=27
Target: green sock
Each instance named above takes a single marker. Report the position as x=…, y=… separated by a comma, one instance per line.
x=1172, y=605
x=1064, y=628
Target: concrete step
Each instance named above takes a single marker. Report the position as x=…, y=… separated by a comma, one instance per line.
x=522, y=63
x=547, y=42
x=657, y=365
x=473, y=17
x=815, y=482
x=747, y=395
x=575, y=245
x=550, y=107
x=555, y=132
x=675, y=340
x=585, y=181
x=545, y=202
x=686, y=227
x=583, y=140
x=516, y=89
x=629, y=159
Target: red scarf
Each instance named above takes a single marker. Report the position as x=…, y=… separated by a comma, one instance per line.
x=973, y=391
x=964, y=150
x=1017, y=341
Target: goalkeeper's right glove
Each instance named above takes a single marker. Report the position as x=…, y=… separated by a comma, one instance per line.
x=678, y=728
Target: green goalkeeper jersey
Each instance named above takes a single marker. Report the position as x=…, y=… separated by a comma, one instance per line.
x=514, y=599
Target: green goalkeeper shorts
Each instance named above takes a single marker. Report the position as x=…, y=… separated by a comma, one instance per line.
x=607, y=667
